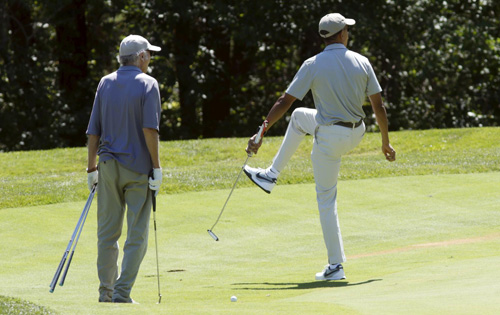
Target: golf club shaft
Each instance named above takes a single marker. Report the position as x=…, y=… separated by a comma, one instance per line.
x=70, y=243
x=232, y=189
x=153, y=195
x=260, y=134
x=87, y=210
x=156, y=245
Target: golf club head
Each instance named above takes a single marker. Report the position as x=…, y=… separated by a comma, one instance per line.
x=159, y=301
x=213, y=235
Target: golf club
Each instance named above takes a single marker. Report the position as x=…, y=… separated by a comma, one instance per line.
x=75, y=243
x=78, y=227
x=259, y=136
x=156, y=243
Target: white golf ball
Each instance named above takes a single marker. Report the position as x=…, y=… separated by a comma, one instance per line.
x=234, y=299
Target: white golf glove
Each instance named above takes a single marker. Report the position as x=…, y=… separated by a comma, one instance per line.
x=155, y=180
x=92, y=179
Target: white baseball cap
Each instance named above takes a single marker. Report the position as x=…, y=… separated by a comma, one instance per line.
x=133, y=44
x=333, y=23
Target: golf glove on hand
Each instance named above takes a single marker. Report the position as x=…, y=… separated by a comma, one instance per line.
x=92, y=179
x=155, y=180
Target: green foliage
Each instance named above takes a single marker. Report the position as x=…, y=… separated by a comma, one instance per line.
x=13, y=306
x=226, y=62
x=436, y=62
x=52, y=57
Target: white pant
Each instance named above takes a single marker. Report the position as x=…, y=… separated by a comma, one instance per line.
x=330, y=143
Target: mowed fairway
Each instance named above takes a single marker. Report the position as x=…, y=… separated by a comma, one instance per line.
x=425, y=244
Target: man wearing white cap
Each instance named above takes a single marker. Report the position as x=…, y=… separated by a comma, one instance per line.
x=340, y=80
x=123, y=131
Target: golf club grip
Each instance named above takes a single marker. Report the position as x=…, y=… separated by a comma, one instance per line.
x=153, y=192
x=154, y=200
x=58, y=272
x=262, y=130
x=260, y=134
x=66, y=270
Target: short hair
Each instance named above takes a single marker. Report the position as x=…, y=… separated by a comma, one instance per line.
x=331, y=37
x=130, y=60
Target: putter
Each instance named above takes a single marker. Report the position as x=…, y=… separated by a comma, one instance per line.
x=156, y=243
x=78, y=228
x=260, y=134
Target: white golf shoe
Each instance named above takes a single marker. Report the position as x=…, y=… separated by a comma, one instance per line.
x=264, y=178
x=331, y=272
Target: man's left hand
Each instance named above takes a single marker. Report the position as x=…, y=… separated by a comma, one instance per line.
x=389, y=153
x=155, y=180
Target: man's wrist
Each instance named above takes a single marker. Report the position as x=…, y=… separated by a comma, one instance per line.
x=92, y=169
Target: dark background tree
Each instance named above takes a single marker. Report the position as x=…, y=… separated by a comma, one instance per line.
x=224, y=63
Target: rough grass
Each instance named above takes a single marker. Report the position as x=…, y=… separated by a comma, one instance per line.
x=13, y=306
x=53, y=176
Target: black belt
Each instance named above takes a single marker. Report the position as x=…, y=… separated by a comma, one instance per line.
x=348, y=124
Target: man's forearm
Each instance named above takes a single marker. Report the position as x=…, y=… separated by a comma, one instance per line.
x=92, y=146
x=383, y=124
x=152, y=142
x=381, y=116
x=279, y=108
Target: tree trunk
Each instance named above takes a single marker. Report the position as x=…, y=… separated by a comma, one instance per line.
x=73, y=54
x=186, y=37
x=217, y=104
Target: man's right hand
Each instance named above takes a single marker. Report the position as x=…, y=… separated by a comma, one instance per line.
x=92, y=179
x=253, y=147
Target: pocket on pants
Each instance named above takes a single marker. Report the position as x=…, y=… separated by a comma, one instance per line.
x=358, y=135
x=333, y=140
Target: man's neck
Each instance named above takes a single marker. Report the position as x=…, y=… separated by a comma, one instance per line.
x=333, y=42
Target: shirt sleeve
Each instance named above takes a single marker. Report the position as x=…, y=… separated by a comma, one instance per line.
x=152, y=107
x=94, y=126
x=301, y=83
x=372, y=86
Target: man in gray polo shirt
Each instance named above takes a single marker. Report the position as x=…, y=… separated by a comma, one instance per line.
x=340, y=80
x=123, y=131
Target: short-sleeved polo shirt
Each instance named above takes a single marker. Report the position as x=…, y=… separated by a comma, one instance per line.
x=340, y=80
x=126, y=101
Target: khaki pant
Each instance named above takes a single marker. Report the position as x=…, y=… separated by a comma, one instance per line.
x=119, y=188
x=330, y=143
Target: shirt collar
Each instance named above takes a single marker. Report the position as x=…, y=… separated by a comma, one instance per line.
x=129, y=68
x=335, y=46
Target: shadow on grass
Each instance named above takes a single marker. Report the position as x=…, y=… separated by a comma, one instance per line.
x=299, y=286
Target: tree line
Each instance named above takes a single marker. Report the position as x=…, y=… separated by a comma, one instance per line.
x=224, y=62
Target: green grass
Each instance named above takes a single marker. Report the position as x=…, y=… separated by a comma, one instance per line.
x=271, y=245
x=421, y=234
x=53, y=176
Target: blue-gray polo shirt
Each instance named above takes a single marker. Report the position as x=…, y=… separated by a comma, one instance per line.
x=340, y=80
x=126, y=101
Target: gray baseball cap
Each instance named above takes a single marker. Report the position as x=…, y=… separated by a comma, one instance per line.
x=333, y=23
x=133, y=44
